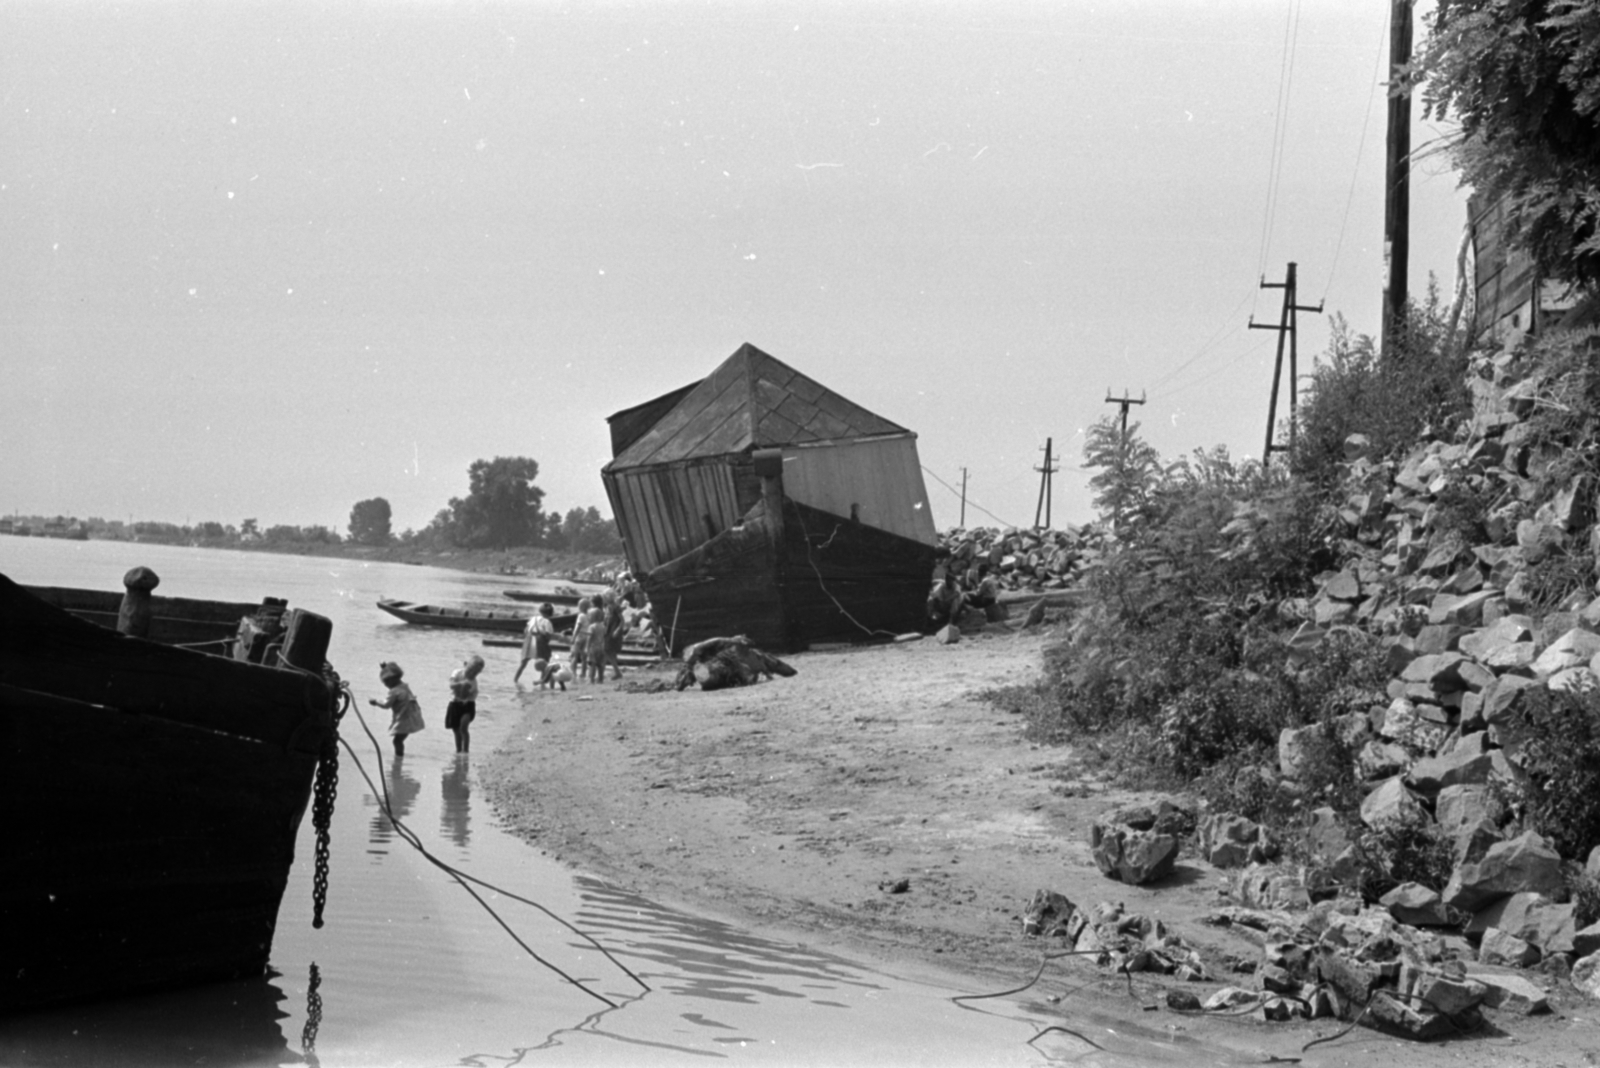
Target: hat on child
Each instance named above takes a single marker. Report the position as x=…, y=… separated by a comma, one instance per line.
x=390, y=672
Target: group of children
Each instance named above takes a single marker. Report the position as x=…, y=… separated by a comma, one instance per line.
x=597, y=635
x=596, y=641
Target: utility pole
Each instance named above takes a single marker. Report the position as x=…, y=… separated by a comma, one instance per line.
x=1397, y=178
x=1287, y=328
x=1122, y=441
x=1045, y=472
x=963, y=498
x=1124, y=400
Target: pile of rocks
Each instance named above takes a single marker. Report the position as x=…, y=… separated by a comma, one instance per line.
x=1041, y=559
x=1124, y=941
x=1472, y=638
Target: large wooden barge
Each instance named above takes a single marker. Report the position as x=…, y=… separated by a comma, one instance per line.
x=155, y=794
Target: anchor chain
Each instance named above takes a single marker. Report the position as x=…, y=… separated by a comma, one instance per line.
x=325, y=791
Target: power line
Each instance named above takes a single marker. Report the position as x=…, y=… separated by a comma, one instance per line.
x=972, y=503
x=1229, y=327
x=1355, y=171
x=1291, y=33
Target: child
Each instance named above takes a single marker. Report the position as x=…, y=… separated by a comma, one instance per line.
x=580, y=636
x=405, y=714
x=594, y=646
x=536, y=640
x=463, y=707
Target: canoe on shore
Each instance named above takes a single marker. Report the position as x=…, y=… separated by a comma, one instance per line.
x=429, y=615
x=159, y=791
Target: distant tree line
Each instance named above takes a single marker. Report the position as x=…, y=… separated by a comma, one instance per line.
x=503, y=509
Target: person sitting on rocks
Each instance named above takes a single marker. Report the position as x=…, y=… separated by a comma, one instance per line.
x=945, y=603
x=984, y=593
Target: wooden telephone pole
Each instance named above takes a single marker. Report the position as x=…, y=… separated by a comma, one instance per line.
x=1397, y=178
x=1286, y=328
x=963, y=498
x=1044, y=484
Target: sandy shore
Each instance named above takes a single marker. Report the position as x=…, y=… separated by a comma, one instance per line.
x=794, y=806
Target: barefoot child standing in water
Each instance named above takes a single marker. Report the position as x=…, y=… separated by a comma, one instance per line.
x=463, y=707
x=405, y=713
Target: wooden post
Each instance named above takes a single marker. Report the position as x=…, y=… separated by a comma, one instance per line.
x=133, y=618
x=1397, y=178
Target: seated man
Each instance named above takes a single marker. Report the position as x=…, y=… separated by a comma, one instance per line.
x=945, y=603
x=985, y=593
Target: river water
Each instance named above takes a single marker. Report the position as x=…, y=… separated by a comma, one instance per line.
x=410, y=969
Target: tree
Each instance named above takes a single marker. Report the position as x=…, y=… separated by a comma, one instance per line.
x=1130, y=470
x=248, y=531
x=369, y=522
x=1522, y=78
x=585, y=530
x=502, y=506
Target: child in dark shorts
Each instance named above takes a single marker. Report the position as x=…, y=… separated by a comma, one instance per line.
x=463, y=708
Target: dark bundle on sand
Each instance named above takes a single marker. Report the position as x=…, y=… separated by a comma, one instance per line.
x=717, y=663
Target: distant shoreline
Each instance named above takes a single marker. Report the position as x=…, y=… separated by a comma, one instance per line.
x=530, y=561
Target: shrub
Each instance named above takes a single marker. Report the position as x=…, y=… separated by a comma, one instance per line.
x=1557, y=739
x=1405, y=850
x=1391, y=397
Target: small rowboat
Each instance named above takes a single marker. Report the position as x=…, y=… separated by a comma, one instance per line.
x=429, y=615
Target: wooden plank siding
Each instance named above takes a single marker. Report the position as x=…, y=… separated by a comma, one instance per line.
x=662, y=510
x=881, y=477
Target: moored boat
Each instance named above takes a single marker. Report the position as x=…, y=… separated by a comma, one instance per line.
x=157, y=793
x=430, y=615
x=561, y=595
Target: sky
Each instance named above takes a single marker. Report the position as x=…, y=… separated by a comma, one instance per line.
x=270, y=259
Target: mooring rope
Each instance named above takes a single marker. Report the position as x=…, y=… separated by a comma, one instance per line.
x=462, y=878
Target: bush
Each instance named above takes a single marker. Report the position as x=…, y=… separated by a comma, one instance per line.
x=1405, y=850
x=1390, y=397
x=1557, y=740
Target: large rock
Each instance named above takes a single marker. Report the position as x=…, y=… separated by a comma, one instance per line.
x=1533, y=918
x=1467, y=763
x=1506, y=696
x=1573, y=649
x=1586, y=941
x=1133, y=856
x=1415, y=906
x=1508, y=631
x=1586, y=975
x=1391, y=801
x=1508, y=992
x=1462, y=806
x=1524, y=863
x=1230, y=841
x=1506, y=949
x=1440, y=672
x=1328, y=844
x=1268, y=887
x=1465, y=610
x=1380, y=760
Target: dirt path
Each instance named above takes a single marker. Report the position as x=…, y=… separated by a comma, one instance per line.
x=787, y=805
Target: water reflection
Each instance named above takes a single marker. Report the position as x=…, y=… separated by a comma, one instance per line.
x=224, y=1023
x=708, y=959
x=455, y=808
x=403, y=791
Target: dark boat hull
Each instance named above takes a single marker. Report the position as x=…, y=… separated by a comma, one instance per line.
x=156, y=796
x=817, y=578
